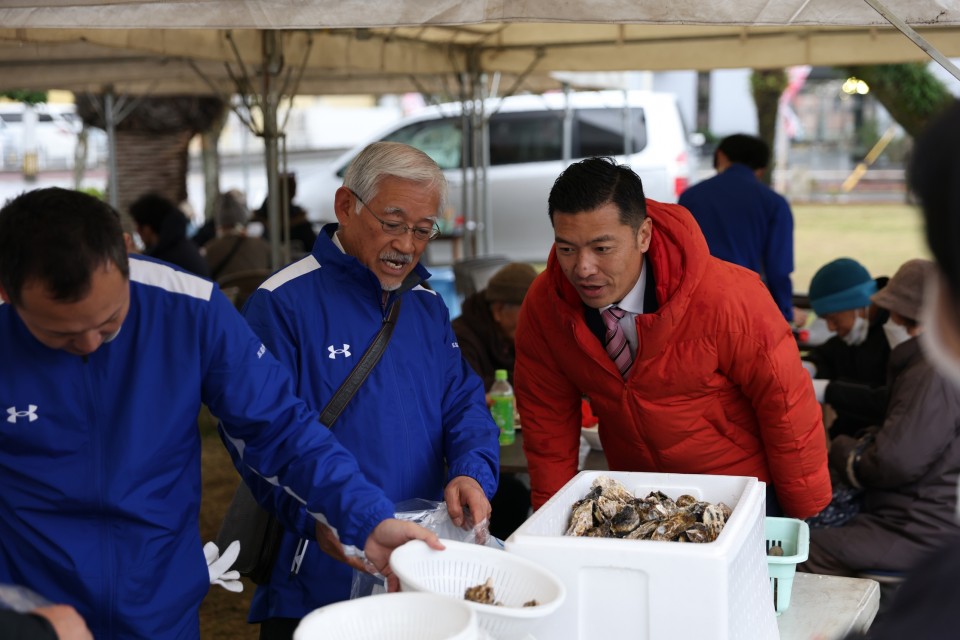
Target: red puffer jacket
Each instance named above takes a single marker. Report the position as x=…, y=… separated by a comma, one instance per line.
x=716, y=388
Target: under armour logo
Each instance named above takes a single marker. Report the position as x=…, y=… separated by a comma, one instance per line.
x=262, y=350
x=30, y=413
x=333, y=352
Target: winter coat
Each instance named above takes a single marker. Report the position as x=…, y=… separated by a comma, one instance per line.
x=909, y=472
x=481, y=341
x=174, y=247
x=235, y=253
x=857, y=374
x=865, y=363
x=747, y=223
x=418, y=420
x=716, y=388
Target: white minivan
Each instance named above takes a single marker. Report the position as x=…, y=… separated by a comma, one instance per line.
x=526, y=154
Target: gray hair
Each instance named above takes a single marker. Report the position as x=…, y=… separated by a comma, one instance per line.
x=397, y=160
x=229, y=211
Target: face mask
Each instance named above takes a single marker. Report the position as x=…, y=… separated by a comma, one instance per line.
x=934, y=346
x=896, y=334
x=858, y=333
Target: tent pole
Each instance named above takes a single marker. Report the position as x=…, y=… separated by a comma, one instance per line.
x=109, y=117
x=917, y=39
x=272, y=61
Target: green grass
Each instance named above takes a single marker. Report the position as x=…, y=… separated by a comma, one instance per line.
x=879, y=236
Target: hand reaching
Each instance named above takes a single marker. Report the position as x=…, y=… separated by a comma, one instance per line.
x=66, y=622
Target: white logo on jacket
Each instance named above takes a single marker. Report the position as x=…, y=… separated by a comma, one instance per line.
x=30, y=414
x=334, y=352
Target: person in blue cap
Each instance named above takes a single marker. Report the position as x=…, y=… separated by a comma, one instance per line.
x=849, y=369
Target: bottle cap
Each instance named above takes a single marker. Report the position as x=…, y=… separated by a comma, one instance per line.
x=500, y=374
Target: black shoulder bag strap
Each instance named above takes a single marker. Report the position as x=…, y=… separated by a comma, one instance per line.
x=259, y=531
x=226, y=259
x=368, y=361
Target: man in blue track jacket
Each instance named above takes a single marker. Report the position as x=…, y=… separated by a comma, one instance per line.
x=105, y=362
x=745, y=221
x=419, y=426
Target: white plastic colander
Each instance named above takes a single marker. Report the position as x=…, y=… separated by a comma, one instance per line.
x=391, y=616
x=462, y=565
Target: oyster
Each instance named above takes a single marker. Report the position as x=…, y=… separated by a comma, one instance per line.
x=581, y=519
x=672, y=527
x=606, y=508
x=624, y=521
x=612, y=490
x=482, y=593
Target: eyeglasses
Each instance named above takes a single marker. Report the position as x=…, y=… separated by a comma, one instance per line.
x=421, y=234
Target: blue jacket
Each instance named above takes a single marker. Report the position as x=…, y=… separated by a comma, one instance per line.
x=100, y=455
x=749, y=224
x=419, y=419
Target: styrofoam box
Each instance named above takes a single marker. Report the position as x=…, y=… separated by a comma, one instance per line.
x=656, y=590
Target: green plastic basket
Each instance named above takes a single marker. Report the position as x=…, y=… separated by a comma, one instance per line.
x=793, y=536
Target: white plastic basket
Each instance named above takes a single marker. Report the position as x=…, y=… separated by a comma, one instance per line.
x=461, y=565
x=391, y=616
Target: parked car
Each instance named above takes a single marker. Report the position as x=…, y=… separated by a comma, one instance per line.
x=526, y=137
x=56, y=131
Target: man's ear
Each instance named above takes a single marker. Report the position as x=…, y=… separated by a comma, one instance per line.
x=4, y=296
x=720, y=161
x=343, y=204
x=643, y=235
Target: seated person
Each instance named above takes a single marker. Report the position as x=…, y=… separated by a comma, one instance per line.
x=302, y=235
x=488, y=320
x=163, y=229
x=232, y=251
x=852, y=363
x=908, y=467
x=485, y=331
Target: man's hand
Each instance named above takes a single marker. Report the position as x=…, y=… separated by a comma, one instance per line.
x=387, y=536
x=65, y=621
x=464, y=491
x=331, y=545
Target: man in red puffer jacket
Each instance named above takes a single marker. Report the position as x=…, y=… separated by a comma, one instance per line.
x=713, y=383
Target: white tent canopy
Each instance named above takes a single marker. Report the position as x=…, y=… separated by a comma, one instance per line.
x=295, y=14
x=394, y=43
x=357, y=39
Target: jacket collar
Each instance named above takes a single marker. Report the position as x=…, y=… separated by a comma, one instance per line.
x=330, y=254
x=678, y=255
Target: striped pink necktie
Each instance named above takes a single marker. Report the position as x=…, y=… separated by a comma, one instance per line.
x=617, y=347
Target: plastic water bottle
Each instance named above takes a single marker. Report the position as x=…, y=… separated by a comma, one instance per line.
x=501, y=393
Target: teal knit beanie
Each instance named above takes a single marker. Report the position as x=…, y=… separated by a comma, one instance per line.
x=841, y=285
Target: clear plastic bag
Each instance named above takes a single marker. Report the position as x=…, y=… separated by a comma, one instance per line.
x=20, y=599
x=433, y=516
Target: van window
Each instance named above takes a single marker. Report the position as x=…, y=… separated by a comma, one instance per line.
x=599, y=132
x=440, y=139
x=516, y=138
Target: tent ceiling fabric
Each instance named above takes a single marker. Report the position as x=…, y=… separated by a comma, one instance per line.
x=157, y=45
x=297, y=14
x=383, y=60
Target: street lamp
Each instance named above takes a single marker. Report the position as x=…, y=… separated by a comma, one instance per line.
x=854, y=86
